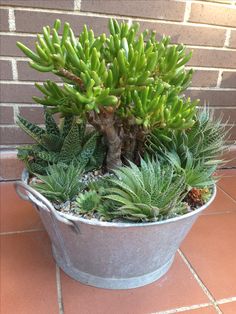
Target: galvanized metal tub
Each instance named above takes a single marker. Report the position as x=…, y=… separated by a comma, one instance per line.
x=111, y=255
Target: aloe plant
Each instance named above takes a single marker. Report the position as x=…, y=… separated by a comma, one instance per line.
x=125, y=84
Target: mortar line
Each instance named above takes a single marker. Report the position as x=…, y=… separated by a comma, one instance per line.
x=14, y=70
x=77, y=5
x=16, y=126
x=117, y=16
x=11, y=20
x=219, y=79
x=200, y=282
x=16, y=112
x=8, y=58
x=10, y=82
x=59, y=291
x=187, y=11
x=227, y=38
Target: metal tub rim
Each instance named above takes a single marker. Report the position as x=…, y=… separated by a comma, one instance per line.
x=95, y=222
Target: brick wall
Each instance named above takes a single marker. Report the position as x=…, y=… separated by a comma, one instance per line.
x=206, y=27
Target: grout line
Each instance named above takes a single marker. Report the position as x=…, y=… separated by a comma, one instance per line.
x=14, y=70
x=59, y=291
x=187, y=11
x=199, y=281
x=11, y=20
x=227, y=38
x=77, y=5
x=227, y=300
x=219, y=79
x=184, y=308
x=226, y=193
x=19, y=232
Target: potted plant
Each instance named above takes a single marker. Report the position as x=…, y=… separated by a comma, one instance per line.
x=122, y=177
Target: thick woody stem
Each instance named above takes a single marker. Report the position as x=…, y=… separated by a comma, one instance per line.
x=105, y=123
x=71, y=76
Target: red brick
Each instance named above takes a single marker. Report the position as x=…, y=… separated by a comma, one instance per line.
x=213, y=58
x=8, y=45
x=16, y=93
x=4, y=20
x=6, y=115
x=187, y=34
x=164, y=10
x=225, y=114
x=26, y=73
x=33, y=114
x=204, y=78
x=11, y=167
x=232, y=133
x=215, y=98
x=6, y=70
x=37, y=20
x=232, y=41
x=228, y=79
x=213, y=14
x=46, y=4
x=13, y=135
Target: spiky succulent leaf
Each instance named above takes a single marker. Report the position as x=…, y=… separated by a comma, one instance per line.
x=148, y=193
x=60, y=185
x=31, y=129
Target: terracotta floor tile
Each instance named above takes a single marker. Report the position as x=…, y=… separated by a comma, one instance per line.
x=27, y=275
x=176, y=289
x=210, y=248
x=202, y=310
x=228, y=182
x=223, y=203
x=16, y=214
x=228, y=308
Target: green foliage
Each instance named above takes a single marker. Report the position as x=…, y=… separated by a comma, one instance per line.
x=66, y=144
x=195, y=151
x=88, y=201
x=128, y=71
x=60, y=185
x=150, y=192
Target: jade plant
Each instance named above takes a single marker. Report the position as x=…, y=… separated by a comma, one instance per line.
x=151, y=152
x=124, y=84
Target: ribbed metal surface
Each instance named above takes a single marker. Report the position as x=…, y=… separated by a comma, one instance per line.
x=113, y=255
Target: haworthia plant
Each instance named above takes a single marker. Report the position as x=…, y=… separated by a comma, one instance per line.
x=62, y=145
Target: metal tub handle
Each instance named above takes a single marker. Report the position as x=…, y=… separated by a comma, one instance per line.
x=41, y=202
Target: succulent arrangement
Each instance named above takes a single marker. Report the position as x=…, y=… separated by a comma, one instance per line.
x=129, y=144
